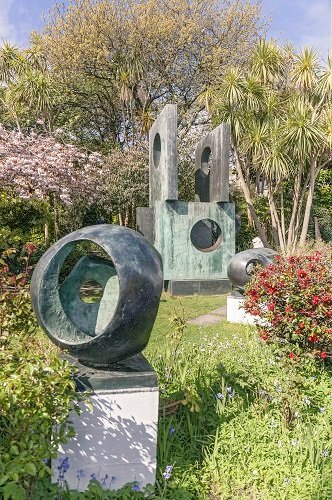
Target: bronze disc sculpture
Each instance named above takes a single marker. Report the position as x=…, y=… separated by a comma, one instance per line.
x=242, y=264
x=102, y=333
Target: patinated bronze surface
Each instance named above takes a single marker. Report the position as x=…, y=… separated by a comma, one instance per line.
x=117, y=326
x=240, y=266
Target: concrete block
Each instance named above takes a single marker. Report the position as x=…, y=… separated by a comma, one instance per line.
x=212, y=166
x=116, y=440
x=236, y=312
x=199, y=287
x=163, y=156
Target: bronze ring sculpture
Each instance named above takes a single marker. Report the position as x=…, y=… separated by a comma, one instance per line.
x=241, y=265
x=117, y=326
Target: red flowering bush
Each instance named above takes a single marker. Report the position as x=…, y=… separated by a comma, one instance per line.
x=293, y=299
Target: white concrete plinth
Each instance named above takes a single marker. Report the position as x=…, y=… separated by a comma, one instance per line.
x=116, y=440
x=236, y=312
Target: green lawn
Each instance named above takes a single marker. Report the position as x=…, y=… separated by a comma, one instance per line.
x=238, y=418
x=189, y=307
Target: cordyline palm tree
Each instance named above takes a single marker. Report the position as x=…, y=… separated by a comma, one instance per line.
x=281, y=122
x=27, y=89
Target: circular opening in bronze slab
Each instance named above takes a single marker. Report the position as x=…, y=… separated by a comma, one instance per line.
x=205, y=235
x=91, y=291
x=206, y=160
x=251, y=267
x=156, y=150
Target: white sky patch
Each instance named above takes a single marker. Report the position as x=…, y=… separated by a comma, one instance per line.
x=316, y=26
x=301, y=22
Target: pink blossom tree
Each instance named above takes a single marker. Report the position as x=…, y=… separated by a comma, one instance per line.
x=37, y=166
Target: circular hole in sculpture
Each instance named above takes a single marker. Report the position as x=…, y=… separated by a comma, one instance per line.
x=156, y=150
x=206, y=160
x=91, y=291
x=205, y=235
x=88, y=287
x=251, y=267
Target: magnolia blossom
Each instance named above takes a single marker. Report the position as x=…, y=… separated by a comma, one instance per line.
x=35, y=166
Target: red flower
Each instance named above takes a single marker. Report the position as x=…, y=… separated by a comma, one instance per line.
x=30, y=247
x=271, y=306
x=313, y=338
x=253, y=294
x=301, y=324
x=315, y=300
x=291, y=355
x=323, y=354
x=301, y=273
x=288, y=309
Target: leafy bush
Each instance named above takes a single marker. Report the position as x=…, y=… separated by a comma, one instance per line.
x=293, y=299
x=36, y=388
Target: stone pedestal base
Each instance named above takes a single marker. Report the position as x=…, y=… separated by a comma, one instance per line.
x=116, y=439
x=236, y=312
x=198, y=287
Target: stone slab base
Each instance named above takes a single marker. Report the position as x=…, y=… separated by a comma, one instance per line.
x=116, y=438
x=198, y=287
x=236, y=312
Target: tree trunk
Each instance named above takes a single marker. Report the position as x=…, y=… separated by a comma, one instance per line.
x=247, y=197
x=46, y=235
x=120, y=219
x=126, y=217
x=318, y=236
x=56, y=225
x=276, y=221
x=310, y=197
x=291, y=228
x=282, y=212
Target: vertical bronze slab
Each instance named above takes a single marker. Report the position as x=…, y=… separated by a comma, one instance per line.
x=182, y=260
x=163, y=156
x=145, y=222
x=212, y=166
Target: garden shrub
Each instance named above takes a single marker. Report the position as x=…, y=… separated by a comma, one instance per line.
x=293, y=299
x=36, y=388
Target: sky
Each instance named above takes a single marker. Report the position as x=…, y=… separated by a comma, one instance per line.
x=302, y=22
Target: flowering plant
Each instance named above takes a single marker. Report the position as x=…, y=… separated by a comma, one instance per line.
x=293, y=300
x=36, y=166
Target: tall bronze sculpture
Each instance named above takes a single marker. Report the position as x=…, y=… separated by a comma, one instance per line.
x=195, y=239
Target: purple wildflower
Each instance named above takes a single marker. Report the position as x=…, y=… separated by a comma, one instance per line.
x=168, y=471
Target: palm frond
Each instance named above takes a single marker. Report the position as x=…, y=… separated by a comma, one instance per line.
x=305, y=69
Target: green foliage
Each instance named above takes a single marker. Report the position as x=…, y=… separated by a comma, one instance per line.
x=323, y=203
x=21, y=220
x=144, y=57
x=260, y=423
x=36, y=388
x=278, y=107
x=237, y=418
x=293, y=299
